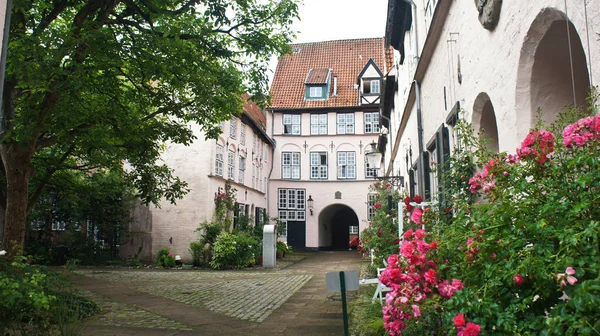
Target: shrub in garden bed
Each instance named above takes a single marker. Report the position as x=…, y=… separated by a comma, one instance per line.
x=35, y=301
x=233, y=250
x=523, y=259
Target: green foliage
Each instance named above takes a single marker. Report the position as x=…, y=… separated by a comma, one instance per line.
x=225, y=203
x=95, y=208
x=34, y=300
x=536, y=221
x=164, y=258
x=197, y=251
x=365, y=318
x=233, y=250
x=382, y=234
x=92, y=85
x=282, y=249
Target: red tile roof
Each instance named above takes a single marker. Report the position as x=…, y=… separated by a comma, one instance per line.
x=346, y=58
x=317, y=76
x=254, y=111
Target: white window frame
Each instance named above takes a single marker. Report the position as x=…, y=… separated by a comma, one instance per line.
x=375, y=86
x=353, y=229
x=371, y=122
x=292, y=124
x=315, y=92
x=233, y=128
x=231, y=165
x=243, y=134
x=219, y=160
x=290, y=165
x=318, y=169
x=242, y=169
x=291, y=204
x=371, y=198
x=345, y=123
x=318, y=124
x=59, y=225
x=346, y=163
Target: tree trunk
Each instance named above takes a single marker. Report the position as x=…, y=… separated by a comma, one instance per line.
x=17, y=165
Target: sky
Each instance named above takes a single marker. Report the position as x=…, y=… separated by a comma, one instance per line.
x=324, y=20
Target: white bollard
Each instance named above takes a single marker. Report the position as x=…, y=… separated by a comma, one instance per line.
x=269, y=248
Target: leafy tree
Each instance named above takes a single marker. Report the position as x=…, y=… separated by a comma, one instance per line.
x=93, y=84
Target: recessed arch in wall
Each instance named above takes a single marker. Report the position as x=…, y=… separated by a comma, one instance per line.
x=544, y=78
x=484, y=119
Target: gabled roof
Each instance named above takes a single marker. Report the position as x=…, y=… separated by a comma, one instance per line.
x=345, y=58
x=254, y=111
x=366, y=67
x=317, y=76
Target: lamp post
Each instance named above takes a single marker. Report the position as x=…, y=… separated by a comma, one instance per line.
x=374, y=156
x=310, y=203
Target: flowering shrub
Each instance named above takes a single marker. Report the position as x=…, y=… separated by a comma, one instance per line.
x=233, y=250
x=413, y=278
x=381, y=235
x=529, y=255
x=164, y=258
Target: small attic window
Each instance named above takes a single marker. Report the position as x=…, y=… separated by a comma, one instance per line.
x=317, y=84
x=296, y=50
x=371, y=86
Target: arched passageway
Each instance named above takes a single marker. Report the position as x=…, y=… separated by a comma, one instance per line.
x=335, y=222
x=484, y=121
x=545, y=80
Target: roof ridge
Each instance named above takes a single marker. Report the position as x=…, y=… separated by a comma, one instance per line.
x=342, y=40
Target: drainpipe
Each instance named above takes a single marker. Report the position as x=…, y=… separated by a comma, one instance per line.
x=421, y=164
x=272, y=163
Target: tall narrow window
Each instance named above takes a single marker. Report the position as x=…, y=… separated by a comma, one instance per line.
x=242, y=169
x=291, y=124
x=219, y=160
x=243, y=134
x=375, y=86
x=290, y=165
x=233, y=128
x=318, y=165
x=231, y=165
x=371, y=205
x=346, y=162
x=318, y=124
x=291, y=204
x=372, y=122
x=345, y=123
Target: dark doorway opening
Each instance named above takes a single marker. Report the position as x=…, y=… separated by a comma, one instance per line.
x=341, y=222
x=296, y=235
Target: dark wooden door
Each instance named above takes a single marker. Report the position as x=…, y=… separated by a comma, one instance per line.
x=296, y=234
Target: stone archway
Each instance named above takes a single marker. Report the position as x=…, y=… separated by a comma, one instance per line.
x=334, y=226
x=544, y=75
x=484, y=118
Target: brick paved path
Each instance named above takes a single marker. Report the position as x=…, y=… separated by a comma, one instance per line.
x=292, y=301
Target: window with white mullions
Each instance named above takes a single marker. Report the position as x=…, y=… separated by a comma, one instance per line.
x=231, y=165
x=243, y=134
x=291, y=124
x=370, y=172
x=318, y=124
x=290, y=165
x=233, y=128
x=242, y=169
x=318, y=165
x=372, y=122
x=346, y=162
x=371, y=205
x=345, y=123
x=219, y=160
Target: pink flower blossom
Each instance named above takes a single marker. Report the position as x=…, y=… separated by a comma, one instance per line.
x=519, y=279
x=407, y=249
x=393, y=260
x=416, y=310
x=430, y=276
x=420, y=234
x=418, y=199
x=417, y=215
x=459, y=320
x=408, y=234
x=471, y=329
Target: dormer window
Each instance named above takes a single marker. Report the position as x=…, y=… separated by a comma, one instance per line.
x=317, y=84
x=371, y=86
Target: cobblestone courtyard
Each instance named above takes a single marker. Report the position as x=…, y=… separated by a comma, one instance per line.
x=290, y=301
